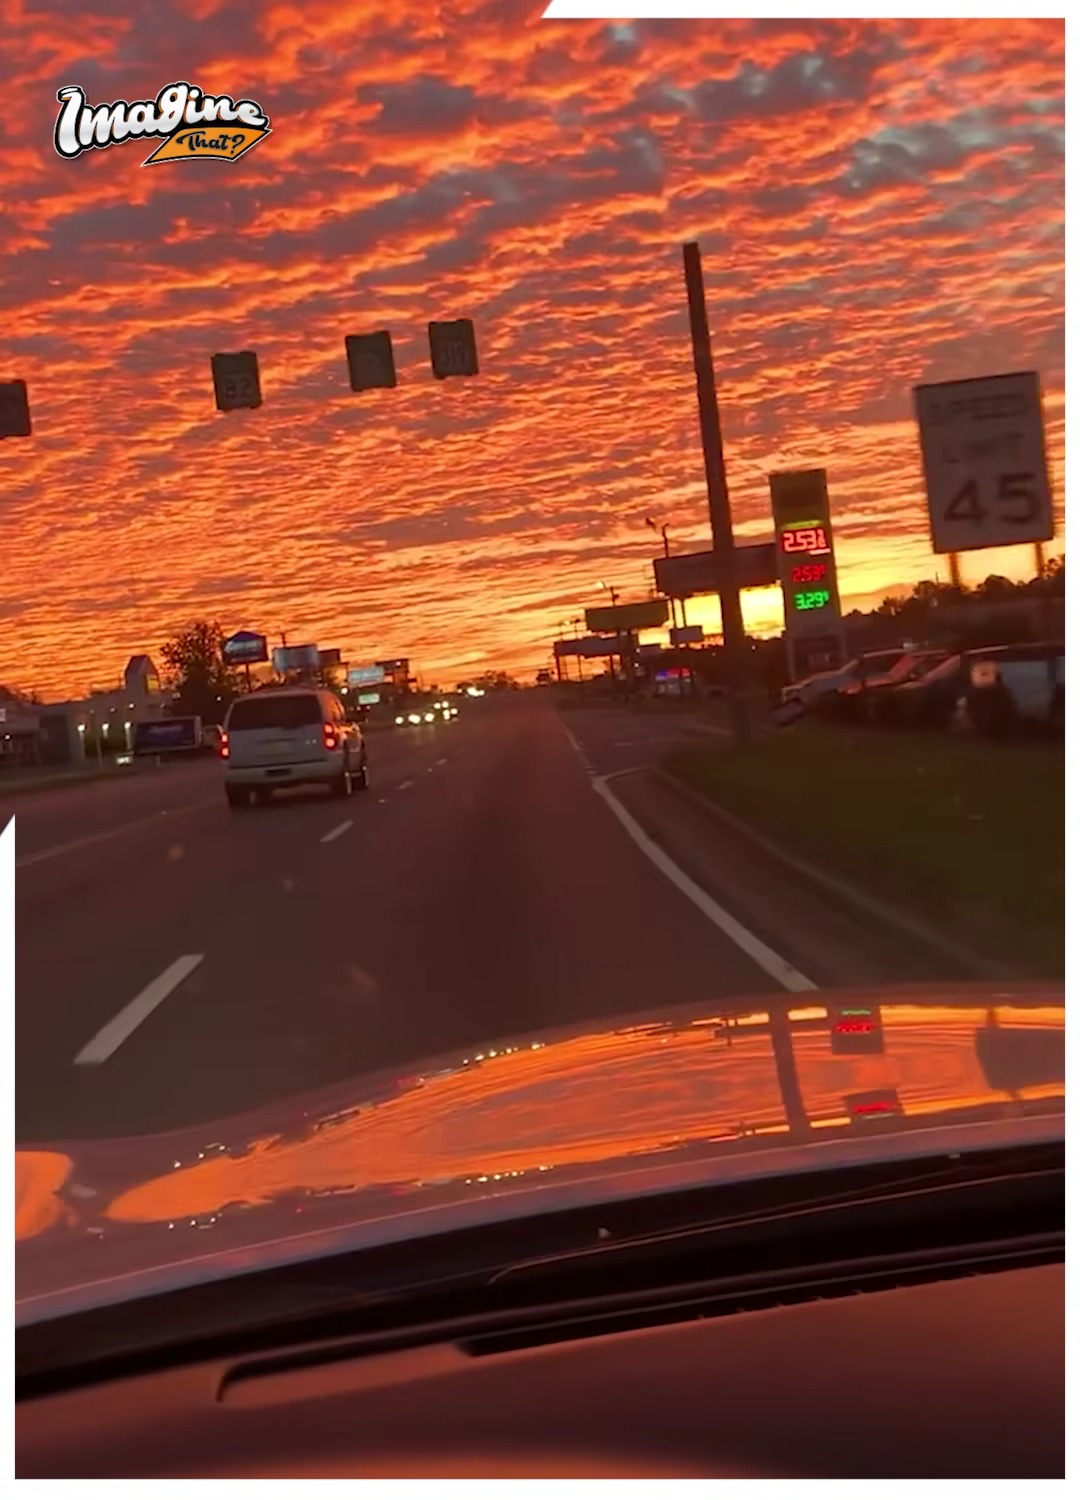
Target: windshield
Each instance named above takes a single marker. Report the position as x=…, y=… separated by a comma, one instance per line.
x=275, y=711
x=491, y=421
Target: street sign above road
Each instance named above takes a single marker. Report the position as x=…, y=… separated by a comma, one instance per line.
x=371, y=361
x=14, y=409
x=453, y=348
x=984, y=461
x=236, y=380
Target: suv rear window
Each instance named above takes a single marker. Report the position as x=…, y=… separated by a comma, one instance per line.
x=275, y=711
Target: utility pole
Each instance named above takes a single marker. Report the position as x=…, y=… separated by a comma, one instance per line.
x=719, y=500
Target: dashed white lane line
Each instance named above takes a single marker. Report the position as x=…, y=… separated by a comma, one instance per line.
x=108, y=833
x=335, y=833
x=112, y=1035
x=404, y=786
x=765, y=957
x=441, y=762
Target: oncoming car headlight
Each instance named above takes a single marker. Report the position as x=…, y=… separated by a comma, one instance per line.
x=400, y=719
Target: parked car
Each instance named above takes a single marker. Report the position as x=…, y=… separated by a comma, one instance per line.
x=291, y=737
x=1014, y=694
x=810, y=689
x=932, y=701
x=858, y=701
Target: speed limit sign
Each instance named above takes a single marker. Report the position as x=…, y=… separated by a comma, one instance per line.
x=236, y=380
x=14, y=409
x=984, y=460
x=453, y=348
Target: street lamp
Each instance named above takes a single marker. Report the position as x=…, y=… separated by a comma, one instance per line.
x=649, y=521
x=600, y=584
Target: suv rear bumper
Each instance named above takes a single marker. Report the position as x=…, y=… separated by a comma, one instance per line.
x=302, y=773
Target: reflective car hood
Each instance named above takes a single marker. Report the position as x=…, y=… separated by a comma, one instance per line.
x=539, y=1122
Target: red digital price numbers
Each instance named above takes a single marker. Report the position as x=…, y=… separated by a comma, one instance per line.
x=809, y=573
x=804, y=539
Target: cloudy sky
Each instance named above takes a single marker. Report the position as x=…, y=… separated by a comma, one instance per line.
x=879, y=203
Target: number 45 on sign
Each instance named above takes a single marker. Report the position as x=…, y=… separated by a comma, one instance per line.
x=984, y=460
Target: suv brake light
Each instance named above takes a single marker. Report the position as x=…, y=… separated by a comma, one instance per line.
x=224, y=751
x=329, y=737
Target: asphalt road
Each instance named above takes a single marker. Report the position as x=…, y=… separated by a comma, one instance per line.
x=481, y=888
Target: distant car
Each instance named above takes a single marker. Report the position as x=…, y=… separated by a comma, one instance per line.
x=810, y=689
x=291, y=737
x=211, y=738
x=430, y=713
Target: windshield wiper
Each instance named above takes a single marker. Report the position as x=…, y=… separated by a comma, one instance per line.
x=934, y=1182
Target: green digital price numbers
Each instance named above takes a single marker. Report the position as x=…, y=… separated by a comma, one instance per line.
x=812, y=599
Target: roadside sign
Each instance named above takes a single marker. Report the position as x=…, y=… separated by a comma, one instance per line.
x=984, y=461
x=453, y=348
x=371, y=361
x=686, y=635
x=244, y=648
x=648, y=614
x=688, y=573
x=236, y=380
x=14, y=409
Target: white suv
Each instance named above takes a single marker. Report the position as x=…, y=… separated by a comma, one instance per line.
x=290, y=737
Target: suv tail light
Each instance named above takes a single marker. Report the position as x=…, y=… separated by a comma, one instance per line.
x=329, y=737
x=224, y=751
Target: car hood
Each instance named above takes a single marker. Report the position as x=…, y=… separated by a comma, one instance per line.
x=539, y=1122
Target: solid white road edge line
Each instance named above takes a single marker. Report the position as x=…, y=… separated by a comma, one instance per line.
x=776, y=967
x=335, y=833
x=112, y=1035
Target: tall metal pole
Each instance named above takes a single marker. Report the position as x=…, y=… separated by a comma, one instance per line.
x=719, y=500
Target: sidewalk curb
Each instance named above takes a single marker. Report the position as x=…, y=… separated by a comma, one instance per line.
x=881, y=911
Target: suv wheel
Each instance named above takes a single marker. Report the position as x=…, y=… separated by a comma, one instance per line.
x=237, y=796
x=363, y=779
x=342, y=785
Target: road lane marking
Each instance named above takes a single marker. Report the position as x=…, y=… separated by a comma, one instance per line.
x=404, y=786
x=111, y=1036
x=108, y=833
x=335, y=833
x=579, y=751
x=765, y=957
x=441, y=762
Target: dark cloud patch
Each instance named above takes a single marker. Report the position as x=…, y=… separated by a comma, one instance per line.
x=425, y=106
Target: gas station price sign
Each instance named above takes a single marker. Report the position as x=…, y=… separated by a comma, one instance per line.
x=806, y=565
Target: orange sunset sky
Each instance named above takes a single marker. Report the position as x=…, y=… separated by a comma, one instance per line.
x=879, y=203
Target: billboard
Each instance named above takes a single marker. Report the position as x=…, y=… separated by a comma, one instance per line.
x=372, y=672
x=690, y=573
x=244, y=648
x=649, y=614
x=588, y=645
x=295, y=658
x=156, y=736
x=330, y=657
x=686, y=635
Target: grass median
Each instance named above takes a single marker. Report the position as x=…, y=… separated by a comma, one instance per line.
x=968, y=833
